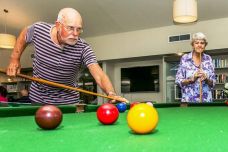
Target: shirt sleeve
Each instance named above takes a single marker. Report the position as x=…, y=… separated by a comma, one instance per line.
x=211, y=71
x=30, y=33
x=88, y=56
x=180, y=75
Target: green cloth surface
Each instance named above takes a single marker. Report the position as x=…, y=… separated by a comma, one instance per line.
x=191, y=129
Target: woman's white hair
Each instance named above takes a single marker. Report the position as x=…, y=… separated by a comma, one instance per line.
x=199, y=36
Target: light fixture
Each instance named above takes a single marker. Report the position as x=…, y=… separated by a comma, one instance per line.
x=184, y=11
x=180, y=53
x=7, y=41
x=9, y=80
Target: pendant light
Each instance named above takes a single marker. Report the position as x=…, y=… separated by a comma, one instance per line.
x=184, y=11
x=7, y=41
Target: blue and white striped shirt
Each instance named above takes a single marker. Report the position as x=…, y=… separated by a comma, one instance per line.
x=56, y=64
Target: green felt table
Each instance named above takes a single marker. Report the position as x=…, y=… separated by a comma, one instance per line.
x=194, y=128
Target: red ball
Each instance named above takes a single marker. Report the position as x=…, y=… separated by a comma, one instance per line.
x=107, y=114
x=133, y=104
x=48, y=117
x=227, y=102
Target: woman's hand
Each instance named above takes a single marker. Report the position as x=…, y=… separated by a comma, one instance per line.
x=201, y=75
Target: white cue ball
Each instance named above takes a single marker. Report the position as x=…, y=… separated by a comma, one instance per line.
x=150, y=103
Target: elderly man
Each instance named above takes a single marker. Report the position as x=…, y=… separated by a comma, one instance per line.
x=59, y=53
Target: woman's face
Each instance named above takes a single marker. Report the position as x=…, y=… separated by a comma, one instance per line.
x=199, y=46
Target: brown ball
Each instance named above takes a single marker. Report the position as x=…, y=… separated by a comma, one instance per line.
x=48, y=117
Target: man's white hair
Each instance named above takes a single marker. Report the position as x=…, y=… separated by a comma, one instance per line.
x=63, y=12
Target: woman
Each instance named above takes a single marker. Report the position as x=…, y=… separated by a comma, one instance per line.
x=196, y=71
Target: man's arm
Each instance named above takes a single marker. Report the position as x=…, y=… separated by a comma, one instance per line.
x=103, y=81
x=14, y=64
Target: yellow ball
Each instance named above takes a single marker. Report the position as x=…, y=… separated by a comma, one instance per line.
x=142, y=118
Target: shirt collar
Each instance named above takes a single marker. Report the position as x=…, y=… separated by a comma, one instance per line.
x=189, y=56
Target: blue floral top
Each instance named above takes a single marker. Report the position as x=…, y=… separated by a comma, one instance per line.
x=186, y=70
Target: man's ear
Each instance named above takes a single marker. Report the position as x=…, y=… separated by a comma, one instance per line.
x=57, y=24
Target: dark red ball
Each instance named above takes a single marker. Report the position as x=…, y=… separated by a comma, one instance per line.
x=48, y=117
x=107, y=114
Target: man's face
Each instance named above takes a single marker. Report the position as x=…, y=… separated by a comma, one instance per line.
x=69, y=32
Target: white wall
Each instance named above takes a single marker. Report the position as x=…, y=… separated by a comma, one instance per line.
x=154, y=41
x=26, y=60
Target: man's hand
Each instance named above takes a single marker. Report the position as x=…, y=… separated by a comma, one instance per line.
x=117, y=98
x=13, y=68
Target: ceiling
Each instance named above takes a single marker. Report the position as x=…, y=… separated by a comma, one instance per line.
x=103, y=17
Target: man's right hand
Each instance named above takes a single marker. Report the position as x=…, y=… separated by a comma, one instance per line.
x=13, y=68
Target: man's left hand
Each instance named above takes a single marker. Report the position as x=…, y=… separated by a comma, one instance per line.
x=117, y=98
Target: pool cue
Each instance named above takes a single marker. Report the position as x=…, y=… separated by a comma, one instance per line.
x=200, y=81
x=62, y=86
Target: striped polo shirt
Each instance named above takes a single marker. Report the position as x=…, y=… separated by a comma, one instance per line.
x=56, y=64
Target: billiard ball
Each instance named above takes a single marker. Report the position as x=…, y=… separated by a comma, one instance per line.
x=122, y=107
x=142, y=118
x=133, y=104
x=107, y=114
x=227, y=102
x=150, y=103
x=48, y=117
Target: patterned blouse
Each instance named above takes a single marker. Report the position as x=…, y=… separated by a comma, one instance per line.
x=187, y=68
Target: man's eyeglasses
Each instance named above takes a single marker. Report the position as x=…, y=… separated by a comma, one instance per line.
x=71, y=29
